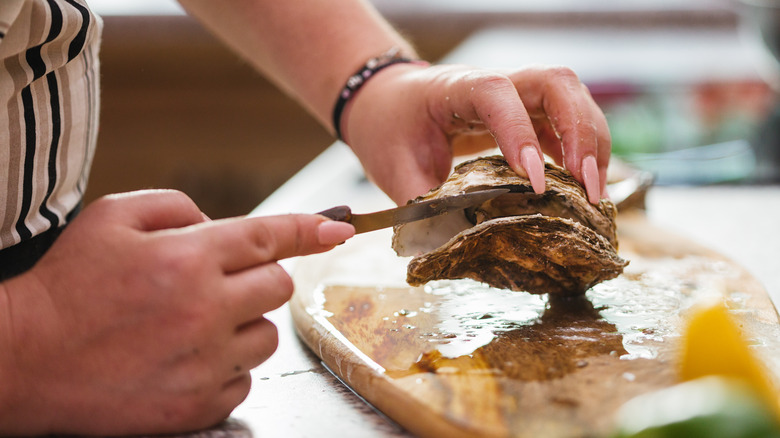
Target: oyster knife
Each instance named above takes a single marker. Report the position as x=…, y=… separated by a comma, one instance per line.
x=411, y=212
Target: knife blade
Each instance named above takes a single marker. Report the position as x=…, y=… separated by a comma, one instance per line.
x=410, y=212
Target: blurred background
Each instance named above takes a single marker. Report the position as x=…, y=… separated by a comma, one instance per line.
x=688, y=86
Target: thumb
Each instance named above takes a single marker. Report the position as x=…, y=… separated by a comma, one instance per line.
x=415, y=171
x=411, y=186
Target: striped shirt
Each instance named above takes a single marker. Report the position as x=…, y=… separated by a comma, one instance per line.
x=49, y=104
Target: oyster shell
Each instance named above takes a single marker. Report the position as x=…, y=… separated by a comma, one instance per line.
x=556, y=242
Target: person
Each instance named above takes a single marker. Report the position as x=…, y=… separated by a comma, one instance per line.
x=144, y=316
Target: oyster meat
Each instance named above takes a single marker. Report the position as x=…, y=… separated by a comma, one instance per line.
x=556, y=242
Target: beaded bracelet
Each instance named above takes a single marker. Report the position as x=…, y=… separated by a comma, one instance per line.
x=357, y=80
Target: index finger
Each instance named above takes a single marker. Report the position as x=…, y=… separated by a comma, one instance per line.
x=492, y=99
x=241, y=243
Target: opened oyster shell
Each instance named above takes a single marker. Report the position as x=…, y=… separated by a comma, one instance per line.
x=556, y=242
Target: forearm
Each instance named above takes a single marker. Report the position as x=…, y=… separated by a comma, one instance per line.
x=6, y=377
x=307, y=47
x=17, y=415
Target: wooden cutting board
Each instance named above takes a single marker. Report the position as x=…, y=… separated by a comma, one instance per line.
x=456, y=358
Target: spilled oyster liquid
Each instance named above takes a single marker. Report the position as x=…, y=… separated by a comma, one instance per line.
x=465, y=326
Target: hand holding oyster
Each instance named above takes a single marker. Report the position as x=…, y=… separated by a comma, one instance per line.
x=555, y=242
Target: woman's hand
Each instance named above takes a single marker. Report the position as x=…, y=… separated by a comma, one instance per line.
x=408, y=122
x=145, y=317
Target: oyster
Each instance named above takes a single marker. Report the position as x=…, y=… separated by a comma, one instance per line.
x=556, y=242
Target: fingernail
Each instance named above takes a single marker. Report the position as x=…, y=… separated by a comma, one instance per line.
x=334, y=232
x=534, y=167
x=590, y=177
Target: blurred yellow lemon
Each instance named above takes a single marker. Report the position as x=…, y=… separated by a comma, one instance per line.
x=726, y=391
x=714, y=345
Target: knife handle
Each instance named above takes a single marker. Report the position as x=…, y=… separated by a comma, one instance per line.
x=342, y=213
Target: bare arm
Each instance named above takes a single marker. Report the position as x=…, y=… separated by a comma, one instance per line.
x=408, y=121
x=307, y=47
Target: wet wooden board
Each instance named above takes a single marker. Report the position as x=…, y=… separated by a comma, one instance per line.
x=456, y=358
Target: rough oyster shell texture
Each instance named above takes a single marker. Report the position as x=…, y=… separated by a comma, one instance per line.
x=556, y=242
